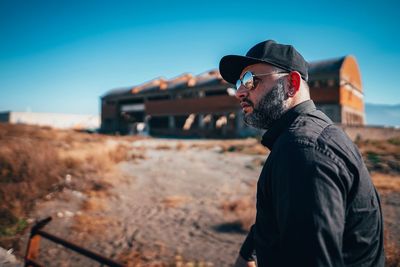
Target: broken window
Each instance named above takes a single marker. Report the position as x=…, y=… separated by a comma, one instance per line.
x=159, y=122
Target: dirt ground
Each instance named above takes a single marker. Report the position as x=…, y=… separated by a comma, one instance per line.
x=160, y=209
x=176, y=203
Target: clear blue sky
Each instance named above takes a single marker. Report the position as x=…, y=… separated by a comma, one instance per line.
x=61, y=56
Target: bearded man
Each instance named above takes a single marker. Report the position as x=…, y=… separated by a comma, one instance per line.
x=316, y=204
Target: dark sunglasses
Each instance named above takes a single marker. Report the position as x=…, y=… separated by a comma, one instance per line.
x=248, y=79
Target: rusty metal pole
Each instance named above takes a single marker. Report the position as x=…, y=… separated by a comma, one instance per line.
x=32, y=251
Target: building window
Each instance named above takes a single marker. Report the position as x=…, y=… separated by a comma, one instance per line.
x=218, y=92
x=159, y=97
x=160, y=122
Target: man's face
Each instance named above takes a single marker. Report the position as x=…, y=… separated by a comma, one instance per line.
x=266, y=102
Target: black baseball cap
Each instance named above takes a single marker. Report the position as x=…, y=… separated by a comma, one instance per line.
x=282, y=56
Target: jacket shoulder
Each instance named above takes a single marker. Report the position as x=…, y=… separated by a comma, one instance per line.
x=317, y=131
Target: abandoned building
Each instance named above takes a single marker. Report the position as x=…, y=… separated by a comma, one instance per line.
x=204, y=106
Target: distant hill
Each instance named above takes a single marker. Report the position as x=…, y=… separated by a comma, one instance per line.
x=381, y=114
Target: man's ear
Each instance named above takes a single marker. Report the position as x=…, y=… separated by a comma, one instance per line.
x=294, y=83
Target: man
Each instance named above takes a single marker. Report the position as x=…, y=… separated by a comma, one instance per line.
x=316, y=204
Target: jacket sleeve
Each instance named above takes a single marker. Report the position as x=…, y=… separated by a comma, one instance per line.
x=310, y=197
x=247, y=251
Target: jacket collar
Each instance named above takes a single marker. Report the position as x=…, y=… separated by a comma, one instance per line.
x=284, y=122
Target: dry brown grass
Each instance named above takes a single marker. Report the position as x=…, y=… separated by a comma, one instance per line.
x=381, y=155
x=95, y=158
x=386, y=182
x=392, y=252
x=94, y=204
x=90, y=225
x=34, y=162
x=28, y=170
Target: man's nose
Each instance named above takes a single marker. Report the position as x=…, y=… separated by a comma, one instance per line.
x=241, y=93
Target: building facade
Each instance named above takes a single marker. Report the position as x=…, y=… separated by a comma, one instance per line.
x=335, y=87
x=204, y=105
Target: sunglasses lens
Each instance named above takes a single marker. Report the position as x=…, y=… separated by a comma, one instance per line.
x=238, y=84
x=247, y=79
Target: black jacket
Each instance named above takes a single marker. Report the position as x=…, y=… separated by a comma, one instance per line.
x=316, y=204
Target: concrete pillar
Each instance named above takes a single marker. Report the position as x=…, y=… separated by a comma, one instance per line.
x=171, y=122
x=147, y=124
x=201, y=123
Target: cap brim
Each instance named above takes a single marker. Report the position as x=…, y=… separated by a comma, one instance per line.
x=231, y=66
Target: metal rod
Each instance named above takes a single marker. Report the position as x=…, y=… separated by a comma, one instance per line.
x=40, y=224
x=78, y=249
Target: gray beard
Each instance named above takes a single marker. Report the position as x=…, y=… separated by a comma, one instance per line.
x=270, y=108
